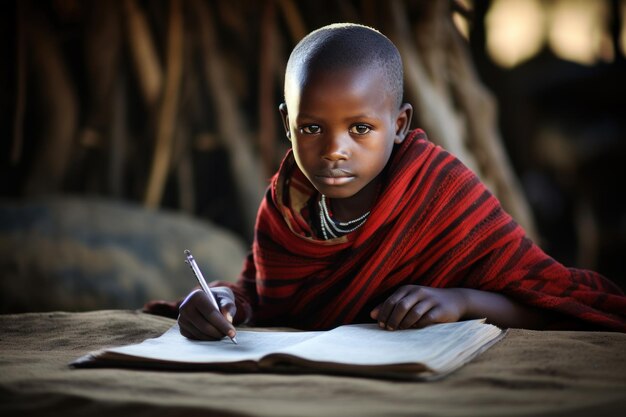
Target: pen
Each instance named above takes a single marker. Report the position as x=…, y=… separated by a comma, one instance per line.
x=205, y=287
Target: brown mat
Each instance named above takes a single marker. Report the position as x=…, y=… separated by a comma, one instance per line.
x=529, y=373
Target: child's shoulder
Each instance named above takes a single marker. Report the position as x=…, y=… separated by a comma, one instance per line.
x=418, y=160
x=417, y=151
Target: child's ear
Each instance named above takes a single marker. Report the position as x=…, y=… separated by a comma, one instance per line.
x=403, y=122
x=282, y=108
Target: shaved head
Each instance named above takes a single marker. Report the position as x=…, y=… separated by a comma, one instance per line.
x=345, y=46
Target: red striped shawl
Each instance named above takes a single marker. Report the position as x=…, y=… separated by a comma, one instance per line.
x=434, y=224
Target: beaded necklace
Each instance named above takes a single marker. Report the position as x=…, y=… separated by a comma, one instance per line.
x=333, y=228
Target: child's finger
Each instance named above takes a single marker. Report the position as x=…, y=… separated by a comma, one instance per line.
x=226, y=300
x=227, y=315
x=433, y=316
x=416, y=313
x=185, y=329
x=198, y=318
x=412, y=296
x=413, y=305
x=374, y=312
x=215, y=324
x=189, y=330
x=386, y=308
x=188, y=314
x=227, y=308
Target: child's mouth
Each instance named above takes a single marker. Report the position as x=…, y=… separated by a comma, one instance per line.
x=340, y=180
x=335, y=176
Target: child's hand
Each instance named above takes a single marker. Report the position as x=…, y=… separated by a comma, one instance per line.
x=199, y=319
x=417, y=306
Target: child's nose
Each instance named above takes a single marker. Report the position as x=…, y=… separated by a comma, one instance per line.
x=336, y=147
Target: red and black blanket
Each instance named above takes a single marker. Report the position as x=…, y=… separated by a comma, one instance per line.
x=434, y=224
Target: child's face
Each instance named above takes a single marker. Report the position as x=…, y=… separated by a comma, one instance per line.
x=343, y=126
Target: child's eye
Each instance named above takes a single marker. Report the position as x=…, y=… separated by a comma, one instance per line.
x=311, y=129
x=360, y=129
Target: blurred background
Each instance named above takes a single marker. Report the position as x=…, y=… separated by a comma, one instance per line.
x=132, y=130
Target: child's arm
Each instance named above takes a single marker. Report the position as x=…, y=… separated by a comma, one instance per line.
x=418, y=306
x=199, y=319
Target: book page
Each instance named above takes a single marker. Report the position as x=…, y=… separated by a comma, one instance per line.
x=366, y=344
x=174, y=347
x=363, y=348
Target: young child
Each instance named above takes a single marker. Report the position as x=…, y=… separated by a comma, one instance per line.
x=368, y=221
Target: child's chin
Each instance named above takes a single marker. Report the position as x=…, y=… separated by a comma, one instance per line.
x=337, y=191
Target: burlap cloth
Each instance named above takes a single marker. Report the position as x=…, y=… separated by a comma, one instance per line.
x=529, y=373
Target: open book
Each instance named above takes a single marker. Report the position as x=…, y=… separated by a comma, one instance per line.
x=358, y=349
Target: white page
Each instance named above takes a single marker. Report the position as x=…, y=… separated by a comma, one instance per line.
x=472, y=341
x=367, y=344
x=172, y=346
x=454, y=339
x=440, y=346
